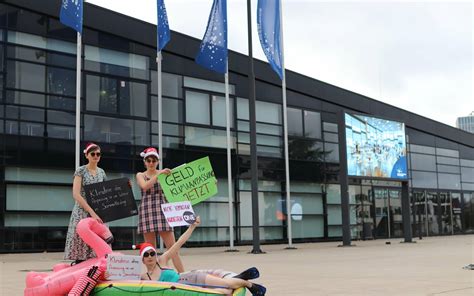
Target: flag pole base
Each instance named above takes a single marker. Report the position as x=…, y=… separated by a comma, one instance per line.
x=231, y=250
x=258, y=251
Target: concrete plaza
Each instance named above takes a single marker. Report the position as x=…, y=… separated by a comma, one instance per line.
x=432, y=266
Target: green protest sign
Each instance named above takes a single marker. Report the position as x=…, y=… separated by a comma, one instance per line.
x=194, y=182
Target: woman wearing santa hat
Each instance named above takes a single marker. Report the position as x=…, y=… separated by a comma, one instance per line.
x=156, y=269
x=150, y=217
x=76, y=249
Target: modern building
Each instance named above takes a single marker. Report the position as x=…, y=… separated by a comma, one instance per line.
x=119, y=103
x=466, y=123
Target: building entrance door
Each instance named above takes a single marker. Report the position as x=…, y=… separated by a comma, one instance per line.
x=456, y=212
x=381, y=213
x=420, y=222
x=388, y=212
x=432, y=213
x=395, y=213
x=446, y=226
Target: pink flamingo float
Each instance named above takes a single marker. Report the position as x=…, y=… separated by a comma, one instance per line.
x=64, y=276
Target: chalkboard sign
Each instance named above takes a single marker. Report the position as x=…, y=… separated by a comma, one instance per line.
x=111, y=200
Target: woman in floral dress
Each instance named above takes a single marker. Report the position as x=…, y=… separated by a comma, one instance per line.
x=76, y=249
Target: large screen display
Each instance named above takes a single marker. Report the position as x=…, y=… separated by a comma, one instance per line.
x=375, y=147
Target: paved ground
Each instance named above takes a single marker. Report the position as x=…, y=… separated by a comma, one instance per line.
x=432, y=266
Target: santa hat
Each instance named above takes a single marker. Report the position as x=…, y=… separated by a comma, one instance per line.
x=144, y=247
x=89, y=146
x=150, y=152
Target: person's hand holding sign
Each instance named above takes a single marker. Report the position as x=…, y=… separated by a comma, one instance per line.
x=197, y=222
x=166, y=171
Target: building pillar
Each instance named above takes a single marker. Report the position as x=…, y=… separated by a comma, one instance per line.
x=406, y=213
x=344, y=181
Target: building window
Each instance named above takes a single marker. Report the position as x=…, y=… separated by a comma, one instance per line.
x=116, y=63
x=312, y=124
x=219, y=111
x=41, y=42
x=242, y=108
x=172, y=110
x=268, y=112
x=207, y=85
x=61, y=81
x=114, y=96
x=449, y=181
x=295, y=122
x=115, y=130
x=197, y=108
x=25, y=98
x=39, y=198
x=206, y=137
x=172, y=85
x=26, y=76
x=424, y=180
x=423, y=162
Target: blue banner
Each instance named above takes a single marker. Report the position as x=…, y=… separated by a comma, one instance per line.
x=71, y=14
x=268, y=23
x=213, y=51
x=162, y=27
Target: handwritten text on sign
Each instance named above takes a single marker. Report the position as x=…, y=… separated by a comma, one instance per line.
x=179, y=213
x=111, y=200
x=194, y=182
x=124, y=267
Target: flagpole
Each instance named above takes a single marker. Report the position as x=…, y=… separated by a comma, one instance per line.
x=285, y=135
x=78, y=99
x=253, y=139
x=229, y=163
x=160, y=122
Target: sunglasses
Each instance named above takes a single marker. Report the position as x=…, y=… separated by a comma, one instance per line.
x=151, y=160
x=94, y=154
x=151, y=254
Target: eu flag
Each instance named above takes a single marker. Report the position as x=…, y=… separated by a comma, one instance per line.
x=71, y=14
x=269, y=32
x=213, y=50
x=162, y=26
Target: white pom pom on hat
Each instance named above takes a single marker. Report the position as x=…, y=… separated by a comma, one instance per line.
x=144, y=247
x=150, y=152
x=89, y=146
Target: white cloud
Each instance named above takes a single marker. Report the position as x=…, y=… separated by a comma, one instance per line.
x=414, y=55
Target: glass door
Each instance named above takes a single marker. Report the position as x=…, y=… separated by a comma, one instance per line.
x=364, y=209
x=395, y=206
x=432, y=210
x=445, y=210
x=382, y=219
x=456, y=212
x=468, y=212
x=420, y=222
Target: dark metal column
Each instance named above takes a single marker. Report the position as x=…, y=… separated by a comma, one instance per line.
x=406, y=213
x=344, y=180
x=253, y=139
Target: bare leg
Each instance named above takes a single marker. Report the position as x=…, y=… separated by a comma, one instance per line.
x=232, y=283
x=169, y=240
x=150, y=237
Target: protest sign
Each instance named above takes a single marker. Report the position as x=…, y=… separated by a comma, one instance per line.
x=111, y=200
x=194, y=182
x=179, y=213
x=124, y=267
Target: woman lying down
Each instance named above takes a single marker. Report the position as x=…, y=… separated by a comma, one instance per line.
x=157, y=270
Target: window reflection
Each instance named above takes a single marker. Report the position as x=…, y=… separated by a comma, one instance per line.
x=114, y=130
x=114, y=96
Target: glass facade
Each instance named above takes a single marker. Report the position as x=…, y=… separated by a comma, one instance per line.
x=119, y=111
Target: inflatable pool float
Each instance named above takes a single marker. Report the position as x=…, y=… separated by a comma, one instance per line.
x=66, y=279
x=151, y=288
